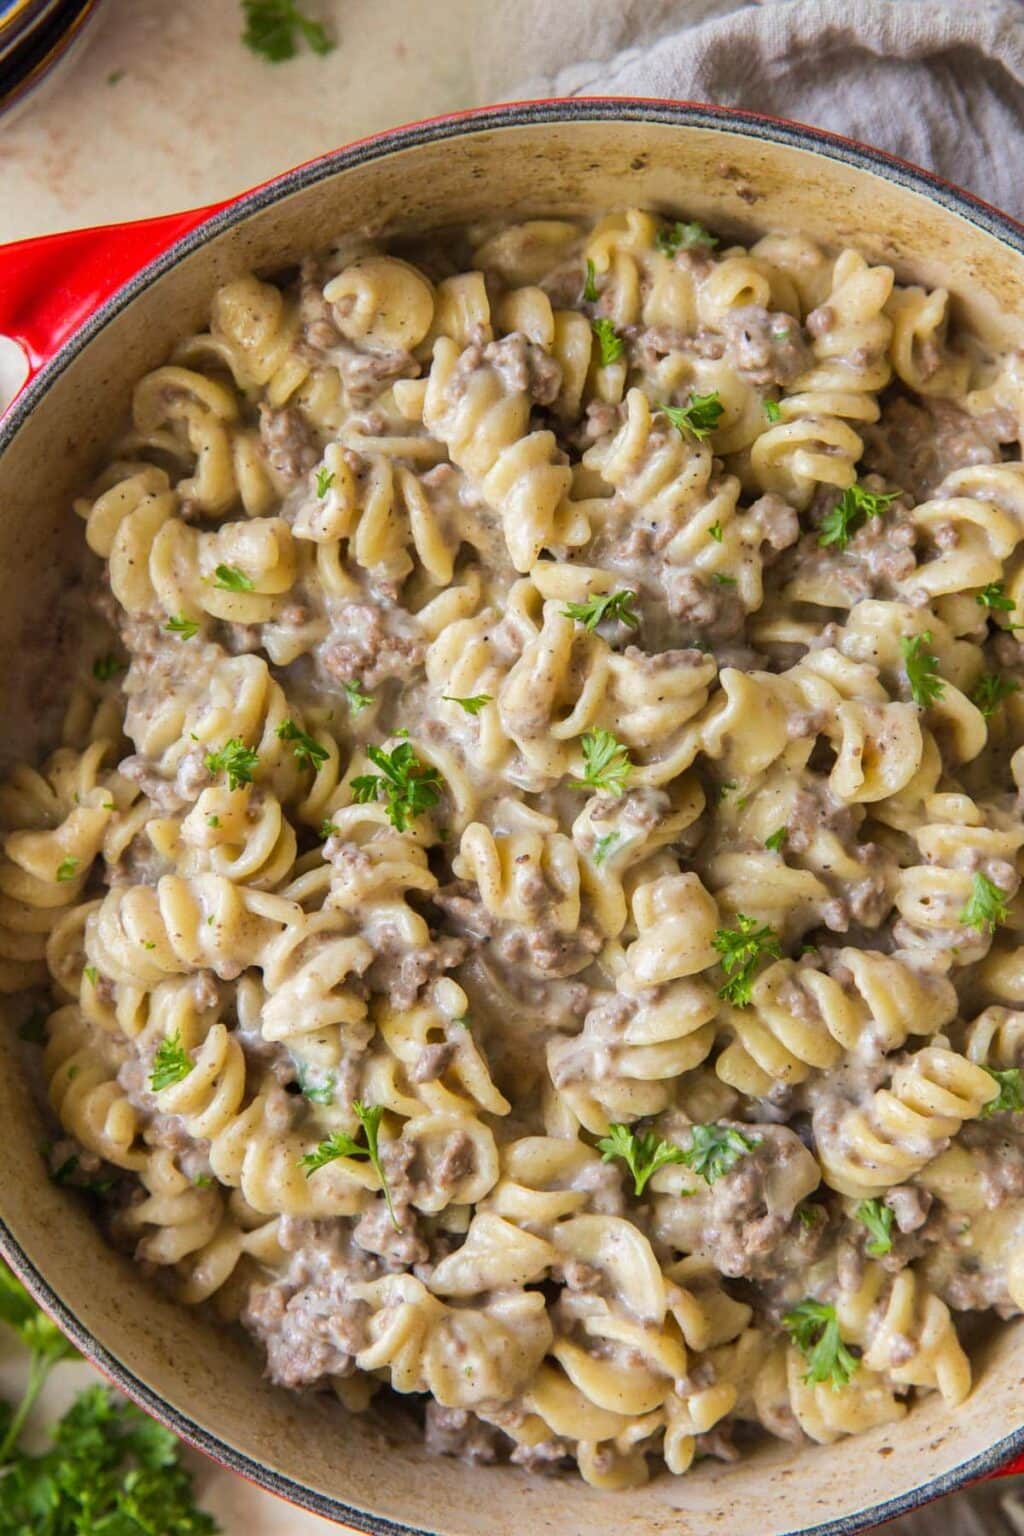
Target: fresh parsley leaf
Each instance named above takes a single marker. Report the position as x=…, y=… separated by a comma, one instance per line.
x=850, y=512
x=987, y=906
x=202, y=1181
x=922, y=669
x=341, y=1144
x=327, y=828
x=230, y=579
x=699, y=416
x=721, y=580
x=324, y=481
x=589, y=294
x=608, y=339
x=66, y=868
x=271, y=27
x=814, y=1329
x=742, y=949
x=715, y=532
x=179, y=625
x=715, y=1150
x=106, y=667
x=357, y=699
x=472, y=705
x=235, y=760
x=171, y=1063
x=307, y=750
x=408, y=786
x=643, y=1154
x=606, y=763
x=604, y=846
x=776, y=840
x=91, y=974
x=878, y=1219
x=317, y=1093
x=773, y=411
x=990, y=691
x=995, y=599
x=1010, y=1097
x=682, y=236
x=609, y=605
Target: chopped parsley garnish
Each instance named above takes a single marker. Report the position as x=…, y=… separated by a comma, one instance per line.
x=202, y=1180
x=606, y=763
x=357, y=699
x=307, y=750
x=1010, y=1097
x=327, y=829
x=324, y=481
x=814, y=1329
x=341, y=1144
x=171, y=1063
x=33, y=1029
x=91, y=974
x=643, y=1153
x=878, y=1219
x=66, y=868
x=213, y=821
x=683, y=236
x=608, y=339
x=922, y=669
x=408, y=786
x=990, y=691
x=850, y=513
x=230, y=579
x=986, y=907
x=742, y=948
x=472, y=705
x=776, y=840
x=604, y=846
x=272, y=29
x=722, y=580
x=772, y=410
x=609, y=605
x=995, y=599
x=179, y=625
x=235, y=760
x=106, y=667
x=316, y=1093
x=699, y=416
x=805, y=1215
x=589, y=294
x=716, y=1149
x=715, y=532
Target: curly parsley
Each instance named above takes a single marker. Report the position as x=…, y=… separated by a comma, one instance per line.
x=407, y=786
x=341, y=1144
x=606, y=763
x=814, y=1329
x=643, y=1154
x=742, y=948
x=715, y=1150
x=986, y=907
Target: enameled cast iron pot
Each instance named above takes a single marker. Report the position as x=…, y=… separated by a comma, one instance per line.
x=94, y=310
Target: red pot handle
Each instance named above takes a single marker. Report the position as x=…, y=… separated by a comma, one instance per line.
x=1012, y=1468
x=51, y=285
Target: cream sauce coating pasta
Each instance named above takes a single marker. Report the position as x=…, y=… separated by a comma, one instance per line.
x=527, y=895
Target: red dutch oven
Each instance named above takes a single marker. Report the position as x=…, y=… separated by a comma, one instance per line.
x=92, y=310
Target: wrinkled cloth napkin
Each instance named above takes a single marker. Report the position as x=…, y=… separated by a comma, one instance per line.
x=939, y=82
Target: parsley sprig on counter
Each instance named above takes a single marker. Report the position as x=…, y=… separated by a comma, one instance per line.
x=699, y=416
x=407, y=786
x=922, y=668
x=273, y=27
x=606, y=605
x=606, y=764
x=742, y=948
x=642, y=1152
x=341, y=1144
x=814, y=1329
x=986, y=907
x=851, y=512
x=109, y=1470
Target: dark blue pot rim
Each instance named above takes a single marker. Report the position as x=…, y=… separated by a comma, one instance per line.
x=485, y=119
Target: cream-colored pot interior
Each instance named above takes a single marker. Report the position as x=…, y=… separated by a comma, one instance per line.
x=740, y=181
